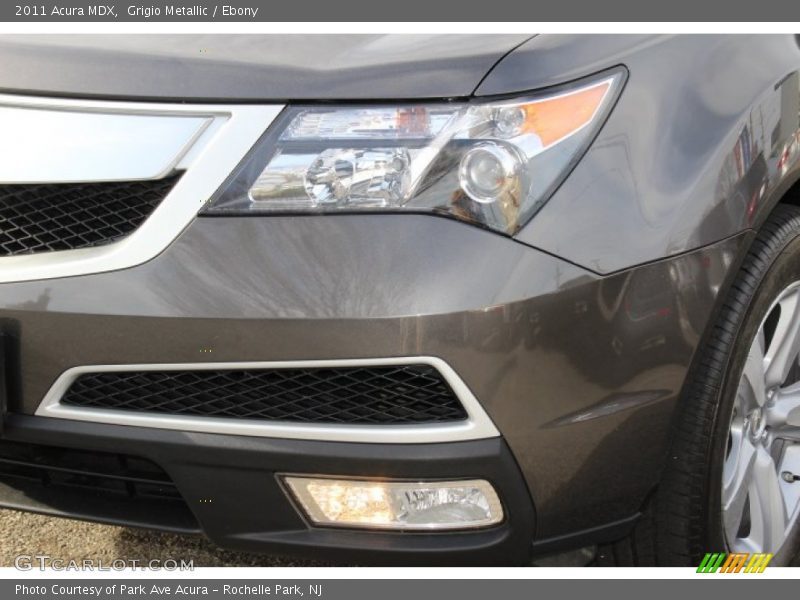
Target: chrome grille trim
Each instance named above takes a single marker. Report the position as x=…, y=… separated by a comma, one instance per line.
x=211, y=141
x=478, y=425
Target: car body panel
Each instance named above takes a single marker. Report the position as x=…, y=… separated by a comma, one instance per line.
x=689, y=155
x=232, y=486
x=576, y=335
x=575, y=370
x=237, y=68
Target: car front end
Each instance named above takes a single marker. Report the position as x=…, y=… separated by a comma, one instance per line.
x=422, y=306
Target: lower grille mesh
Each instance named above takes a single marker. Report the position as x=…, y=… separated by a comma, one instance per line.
x=113, y=473
x=102, y=486
x=352, y=395
x=66, y=216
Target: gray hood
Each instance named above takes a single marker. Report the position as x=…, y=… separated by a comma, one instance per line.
x=250, y=67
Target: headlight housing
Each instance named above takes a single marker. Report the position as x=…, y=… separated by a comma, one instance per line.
x=492, y=163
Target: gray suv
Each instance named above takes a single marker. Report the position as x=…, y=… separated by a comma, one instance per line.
x=406, y=299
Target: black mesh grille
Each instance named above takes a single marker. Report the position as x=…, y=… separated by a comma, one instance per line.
x=65, y=216
x=118, y=473
x=353, y=395
x=104, y=486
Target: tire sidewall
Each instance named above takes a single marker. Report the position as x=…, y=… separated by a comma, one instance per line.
x=782, y=272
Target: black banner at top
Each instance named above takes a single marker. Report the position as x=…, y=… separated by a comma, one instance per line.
x=408, y=10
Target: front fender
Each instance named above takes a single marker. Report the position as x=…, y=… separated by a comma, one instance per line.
x=703, y=142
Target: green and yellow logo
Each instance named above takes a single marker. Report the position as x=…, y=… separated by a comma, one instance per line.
x=740, y=562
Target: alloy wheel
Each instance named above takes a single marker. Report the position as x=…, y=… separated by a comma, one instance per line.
x=761, y=472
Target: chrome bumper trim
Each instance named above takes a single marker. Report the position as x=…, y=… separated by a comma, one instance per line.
x=478, y=425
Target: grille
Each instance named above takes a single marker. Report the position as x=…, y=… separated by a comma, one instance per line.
x=353, y=395
x=106, y=486
x=65, y=216
x=116, y=473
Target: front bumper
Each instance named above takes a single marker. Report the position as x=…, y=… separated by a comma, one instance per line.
x=231, y=487
x=579, y=373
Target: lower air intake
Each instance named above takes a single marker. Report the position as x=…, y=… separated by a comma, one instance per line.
x=100, y=486
x=396, y=395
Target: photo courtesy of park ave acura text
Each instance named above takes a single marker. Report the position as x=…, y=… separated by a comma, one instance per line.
x=391, y=299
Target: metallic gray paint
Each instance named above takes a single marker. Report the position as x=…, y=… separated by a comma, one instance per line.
x=689, y=154
x=658, y=175
x=579, y=373
x=578, y=360
x=250, y=67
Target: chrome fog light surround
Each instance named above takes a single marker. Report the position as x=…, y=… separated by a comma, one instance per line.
x=396, y=505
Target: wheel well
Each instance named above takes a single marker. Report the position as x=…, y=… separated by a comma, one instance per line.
x=792, y=195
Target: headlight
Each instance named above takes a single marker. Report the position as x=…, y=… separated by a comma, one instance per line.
x=490, y=163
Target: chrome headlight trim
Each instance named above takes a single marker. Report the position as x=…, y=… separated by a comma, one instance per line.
x=491, y=162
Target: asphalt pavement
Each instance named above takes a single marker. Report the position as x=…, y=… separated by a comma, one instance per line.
x=67, y=539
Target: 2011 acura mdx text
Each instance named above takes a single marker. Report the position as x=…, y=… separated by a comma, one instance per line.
x=406, y=299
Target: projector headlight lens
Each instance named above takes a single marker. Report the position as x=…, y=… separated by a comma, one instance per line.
x=489, y=163
x=488, y=172
x=397, y=505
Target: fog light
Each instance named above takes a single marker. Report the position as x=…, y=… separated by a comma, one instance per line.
x=397, y=505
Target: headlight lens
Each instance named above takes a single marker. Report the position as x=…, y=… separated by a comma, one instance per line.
x=489, y=163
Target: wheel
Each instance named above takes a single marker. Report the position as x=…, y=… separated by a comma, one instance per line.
x=759, y=493
x=731, y=479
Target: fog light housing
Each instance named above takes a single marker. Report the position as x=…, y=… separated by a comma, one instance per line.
x=397, y=505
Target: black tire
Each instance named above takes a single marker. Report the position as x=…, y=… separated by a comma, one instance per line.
x=682, y=520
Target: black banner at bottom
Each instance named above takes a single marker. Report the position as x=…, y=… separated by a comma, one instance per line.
x=733, y=586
